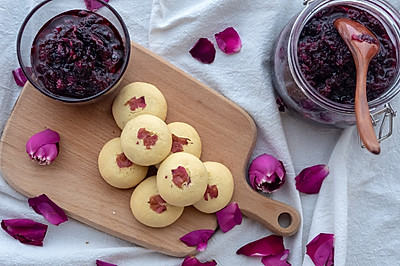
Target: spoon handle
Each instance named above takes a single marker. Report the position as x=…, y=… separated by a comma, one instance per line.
x=364, y=122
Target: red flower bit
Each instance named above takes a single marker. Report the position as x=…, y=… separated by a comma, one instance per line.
x=193, y=261
x=177, y=143
x=281, y=105
x=103, y=263
x=94, y=5
x=229, y=41
x=157, y=204
x=43, y=146
x=25, y=231
x=136, y=103
x=122, y=161
x=277, y=260
x=180, y=176
x=149, y=138
x=50, y=211
x=321, y=249
x=266, y=173
x=229, y=217
x=204, y=51
x=197, y=238
x=212, y=191
x=267, y=246
x=310, y=179
x=19, y=77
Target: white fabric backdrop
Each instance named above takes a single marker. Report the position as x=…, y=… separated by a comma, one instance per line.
x=359, y=200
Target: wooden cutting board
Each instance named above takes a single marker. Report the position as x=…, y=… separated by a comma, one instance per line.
x=73, y=182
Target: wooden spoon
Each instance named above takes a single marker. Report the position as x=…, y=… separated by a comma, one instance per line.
x=363, y=46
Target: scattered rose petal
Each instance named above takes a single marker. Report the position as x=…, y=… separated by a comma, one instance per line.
x=19, y=77
x=193, y=261
x=122, y=161
x=50, y=211
x=281, y=104
x=321, y=249
x=310, y=179
x=229, y=217
x=157, y=204
x=103, y=263
x=277, y=260
x=25, y=231
x=229, y=40
x=204, y=51
x=266, y=173
x=267, y=246
x=43, y=146
x=94, y=5
x=197, y=238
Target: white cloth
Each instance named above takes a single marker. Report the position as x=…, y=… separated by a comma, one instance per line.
x=358, y=201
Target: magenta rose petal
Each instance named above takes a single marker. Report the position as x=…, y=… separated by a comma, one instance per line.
x=267, y=246
x=19, y=77
x=310, y=179
x=25, y=231
x=43, y=146
x=229, y=41
x=193, y=261
x=266, y=173
x=93, y=5
x=277, y=260
x=197, y=238
x=103, y=263
x=44, y=206
x=204, y=51
x=321, y=249
x=229, y=217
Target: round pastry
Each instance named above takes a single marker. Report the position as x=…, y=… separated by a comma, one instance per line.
x=149, y=208
x=136, y=99
x=116, y=169
x=219, y=188
x=182, y=179
x=146, y=140
x=185, y=138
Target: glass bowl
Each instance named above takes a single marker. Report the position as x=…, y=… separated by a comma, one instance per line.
x=78, y=67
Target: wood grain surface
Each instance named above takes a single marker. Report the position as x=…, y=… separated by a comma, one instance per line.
x=73, y=182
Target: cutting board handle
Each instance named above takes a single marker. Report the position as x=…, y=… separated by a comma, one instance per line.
x=266, y=211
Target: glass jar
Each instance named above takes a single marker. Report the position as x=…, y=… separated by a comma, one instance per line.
x=297, y=93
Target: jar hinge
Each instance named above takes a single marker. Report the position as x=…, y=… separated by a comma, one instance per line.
x=384, y=116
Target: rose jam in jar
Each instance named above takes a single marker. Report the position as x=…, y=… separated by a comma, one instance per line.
x=315, y=73
x=77, y=54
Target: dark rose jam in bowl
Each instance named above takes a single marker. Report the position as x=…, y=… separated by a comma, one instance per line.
x=73, y=54
x=314, y=71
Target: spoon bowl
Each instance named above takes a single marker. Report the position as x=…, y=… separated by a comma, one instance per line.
x=363, y=46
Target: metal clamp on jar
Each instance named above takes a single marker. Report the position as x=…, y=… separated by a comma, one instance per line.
x=315, y=72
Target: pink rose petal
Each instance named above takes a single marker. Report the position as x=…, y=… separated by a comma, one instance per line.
x=197, y=238
x=266, y=173
x=310, y=179
x=25, y=231
x=193, y=261
x=267, y=246
x=43, y=146
x=103, y=263
x=321, y=249
x=277, y=260
x=19, y=77
x=44, y=206
x=94, y=5
x=229, y=217
x=204, y=51
x=229, y=41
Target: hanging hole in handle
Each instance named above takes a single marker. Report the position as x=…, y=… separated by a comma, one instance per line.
x=285, y=220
